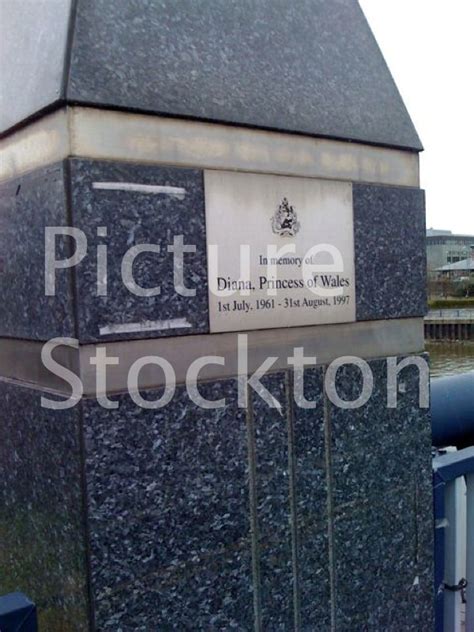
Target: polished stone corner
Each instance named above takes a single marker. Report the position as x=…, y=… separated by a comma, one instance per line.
x=27, y=205
x=113, y=207
x=42, y=528
x=121, y=206
x=35, y=38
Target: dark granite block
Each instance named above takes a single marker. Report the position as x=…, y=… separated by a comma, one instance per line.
x=34, y=41
x=390, y=252
x=169, y=514
x=310, y=491
x=367, y=446
x=383, y=529
x=131, y=218
x=274, y=515
x=28, y=205
x=423, y=598
x=415, y=425
x=376, y=448
x=377, y=573
x=235, y=62
x=42, y=536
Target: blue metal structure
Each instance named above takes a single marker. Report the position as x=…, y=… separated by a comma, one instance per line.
x=452, y=422
x=17, y=613
x=452, y=411
x=447, y=468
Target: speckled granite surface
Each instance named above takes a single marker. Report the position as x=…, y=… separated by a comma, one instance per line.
x=185, y=530
x=238, y=62
x=389, y=236
x=169, y=514
x=42, y=537
x=27, y=205
x=274, y=515
x=170, y=497
x=382, y=494
x=214, y=519
x=310, y=489
x=131, y=218
x=390, y=252
x=263, y=63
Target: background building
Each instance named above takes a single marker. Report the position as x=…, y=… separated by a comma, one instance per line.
x=460, y=269
x=445, y=248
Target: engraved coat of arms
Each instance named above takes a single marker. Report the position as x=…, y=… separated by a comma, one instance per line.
x=285, y=221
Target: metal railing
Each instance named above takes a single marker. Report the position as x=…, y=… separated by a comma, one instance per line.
x=466, y=313
x=454, y=540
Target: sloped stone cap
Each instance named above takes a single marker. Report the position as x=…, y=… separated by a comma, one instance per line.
x=305, y=66
x=33, y=50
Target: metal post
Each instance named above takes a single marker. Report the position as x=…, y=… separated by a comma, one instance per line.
x=452, y=599
x=470, y=553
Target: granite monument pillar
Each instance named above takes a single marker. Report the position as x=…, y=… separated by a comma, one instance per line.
x=144, y=143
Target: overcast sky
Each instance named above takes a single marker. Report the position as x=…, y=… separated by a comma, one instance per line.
x=429, y=47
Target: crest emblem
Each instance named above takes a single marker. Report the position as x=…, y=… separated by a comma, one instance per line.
x=285, y=221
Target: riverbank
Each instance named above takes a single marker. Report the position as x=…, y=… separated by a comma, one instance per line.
x=452, y=303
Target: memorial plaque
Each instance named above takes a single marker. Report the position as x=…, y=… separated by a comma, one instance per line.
x=280, y=251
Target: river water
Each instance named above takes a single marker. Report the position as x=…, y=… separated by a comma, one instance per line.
x=449, y=358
